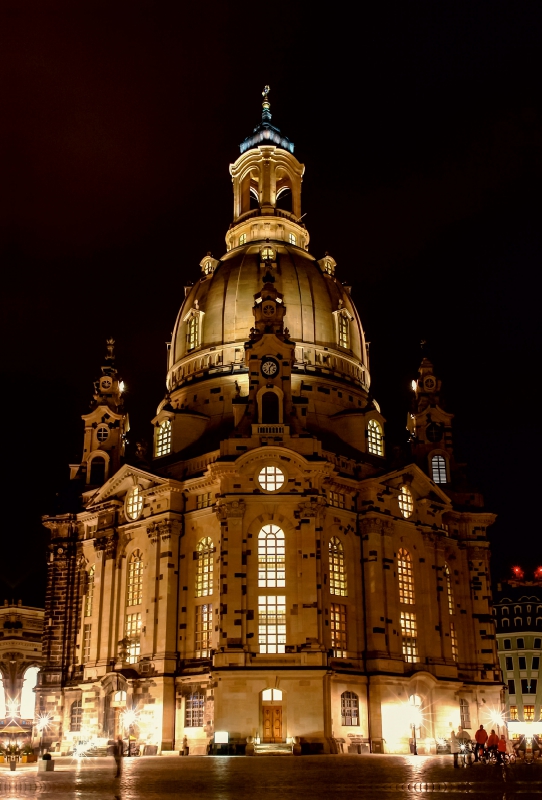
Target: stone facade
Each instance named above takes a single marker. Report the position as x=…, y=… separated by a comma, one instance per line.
x=272, y=574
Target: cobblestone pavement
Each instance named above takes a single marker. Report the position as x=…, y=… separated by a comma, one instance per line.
x=365, y=777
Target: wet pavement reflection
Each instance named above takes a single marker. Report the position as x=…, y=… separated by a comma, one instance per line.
x=272, y=778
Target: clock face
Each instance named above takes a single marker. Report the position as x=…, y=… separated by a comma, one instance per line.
x=268, y=309
x=434, y=432
x=270, y=367
x=106, y=383
x=429, y=383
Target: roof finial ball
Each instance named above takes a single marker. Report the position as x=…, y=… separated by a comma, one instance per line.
x=266, y=105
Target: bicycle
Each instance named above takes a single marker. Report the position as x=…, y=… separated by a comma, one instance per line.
x=464, y=757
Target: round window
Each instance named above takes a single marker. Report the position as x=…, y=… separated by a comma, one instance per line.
x=134, y=503
x=406, y=501
x=102, y=433
x=271, y=479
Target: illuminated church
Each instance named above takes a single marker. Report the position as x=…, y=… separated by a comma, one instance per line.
x=268, y=578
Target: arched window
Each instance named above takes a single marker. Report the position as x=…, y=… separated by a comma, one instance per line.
x=97, y=471
x=406, y=577
x=76, y=714
x=163, y=439
x=406, y=502
x=271, y=557
x=337, y=569
x=349, y=709
x=192, y=332
x=135, y=579
x=242, y=239
x=28, y=698
x=89, y=597
x=270, y=408
x=194, y=710
x=267, y=254
x=375, y=438
x=292, y=238
x=204, y=576
x=344, y=331
x=134, y=503
x=449, y=589
x=438, y=469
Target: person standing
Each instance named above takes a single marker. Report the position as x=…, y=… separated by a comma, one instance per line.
x=492, y=742
x=454, y=747
x=501, y=749
x=118, y=751
x=481, y=739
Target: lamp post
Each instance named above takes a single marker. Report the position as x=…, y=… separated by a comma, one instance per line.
x=415, y=722
x=44, y=721
x=128, y=719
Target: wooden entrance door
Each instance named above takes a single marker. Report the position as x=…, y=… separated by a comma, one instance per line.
x=272, y=723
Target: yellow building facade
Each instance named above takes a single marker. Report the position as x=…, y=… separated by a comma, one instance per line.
x=268, y=577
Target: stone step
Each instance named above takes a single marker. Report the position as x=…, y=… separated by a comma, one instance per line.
x=275, y=748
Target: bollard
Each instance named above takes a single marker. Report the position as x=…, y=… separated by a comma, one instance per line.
x=13, y=765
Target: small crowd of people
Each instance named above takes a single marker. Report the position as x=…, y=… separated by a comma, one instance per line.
x=488, y=743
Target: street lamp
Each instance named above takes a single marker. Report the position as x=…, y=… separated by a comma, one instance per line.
x=414, y=716
x=129, y=718
x=44, y=722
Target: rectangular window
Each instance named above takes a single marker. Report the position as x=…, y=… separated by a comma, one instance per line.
x=453, y=637
x=337, y=499
x=133, y=632
x=522, y=662
x=507, y=645
x=204, y=627
x=521, y=644
x=511, y=687
x=338, y=630
x=87, y=633
x=292, y=238
x=409, y=636
x=513, y=712
x=525, y=684
x=509, y=663
x=464, y=713
x=194, y=708
x=204, y=500
x=536, y=662
x=272, y=624
x=534, y=684
x=528, y=713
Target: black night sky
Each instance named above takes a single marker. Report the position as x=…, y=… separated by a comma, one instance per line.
x=420, y=125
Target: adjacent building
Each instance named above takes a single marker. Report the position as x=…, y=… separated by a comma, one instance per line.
x=518, y=612
x=21, y=631
x=271, y=573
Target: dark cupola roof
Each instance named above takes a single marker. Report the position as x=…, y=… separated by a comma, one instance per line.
x=265, y=133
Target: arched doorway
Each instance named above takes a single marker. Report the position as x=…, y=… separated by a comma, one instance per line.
x=272, y=722
x=270, y=409
x=97, y=471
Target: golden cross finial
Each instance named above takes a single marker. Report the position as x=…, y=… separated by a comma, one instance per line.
x=265, y=92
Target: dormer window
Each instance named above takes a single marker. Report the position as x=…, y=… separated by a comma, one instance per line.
x=328, y=267
x=344, y=331
x=192, y=335
x=242, y=239
x=267, y=254
x=292, y=238
x=207, y=268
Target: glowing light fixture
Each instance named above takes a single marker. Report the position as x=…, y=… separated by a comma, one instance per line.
x=221, y=737
x=122, y=386
x=414, y=385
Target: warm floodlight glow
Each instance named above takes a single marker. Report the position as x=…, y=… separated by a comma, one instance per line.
x=129, y=717
x=221, y=737
x=496, y=717
x=122, y=386
x=44, y=721
x=414, y=385
x=12, y=706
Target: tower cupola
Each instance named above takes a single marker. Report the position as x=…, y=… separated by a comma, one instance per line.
x=267, y=188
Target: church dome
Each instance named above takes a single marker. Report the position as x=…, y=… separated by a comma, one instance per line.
x=320, y=315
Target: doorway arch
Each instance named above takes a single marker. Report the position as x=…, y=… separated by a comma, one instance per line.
x=273, y=727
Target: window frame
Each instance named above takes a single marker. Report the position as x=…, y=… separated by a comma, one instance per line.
x=337, y=624
x=162, y=444
x=271, y=557
x=338, y=577
x=272, y=624
x=349, y=703
x=203, y=630
x=405, y=500
x=194, y=710
x=441, y=469
x=133, y=503
x=134, y=580
x=76, y=716
x=205, y=567
x=375, y=438
x=405, y=578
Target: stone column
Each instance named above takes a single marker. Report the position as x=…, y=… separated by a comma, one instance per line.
x=232, y=576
